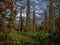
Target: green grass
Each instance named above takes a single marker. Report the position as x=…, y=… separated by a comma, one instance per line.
x=20, y=36
x=28, y=38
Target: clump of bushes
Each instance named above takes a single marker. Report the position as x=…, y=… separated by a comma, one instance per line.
x=30, y=38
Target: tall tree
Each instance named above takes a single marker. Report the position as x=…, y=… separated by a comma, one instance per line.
x=58, y=18
x=21, y=18
x=28, y=19
x=58, y=21
x=51, y=17
x=34, y=21
x=20, y=21
x=46, y=23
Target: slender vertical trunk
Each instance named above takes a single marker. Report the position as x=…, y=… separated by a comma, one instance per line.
x=20, y=21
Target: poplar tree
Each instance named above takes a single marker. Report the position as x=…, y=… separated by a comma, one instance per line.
x=58, y=18
x=34, y=21
x=20, y=21
x=46, y=23
x=51, y=17
x=58, y=21
x=28, y=18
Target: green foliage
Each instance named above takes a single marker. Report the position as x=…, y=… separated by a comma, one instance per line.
x=28, y=18
x=2, y=35
x=51, y=17
x=46, y=23
x=30, y=38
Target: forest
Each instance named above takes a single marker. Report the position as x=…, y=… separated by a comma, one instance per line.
x=25, y=29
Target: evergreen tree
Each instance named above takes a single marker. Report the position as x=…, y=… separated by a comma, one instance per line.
x=28, y=19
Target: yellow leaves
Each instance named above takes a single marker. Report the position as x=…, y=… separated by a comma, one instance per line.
x=10, y=5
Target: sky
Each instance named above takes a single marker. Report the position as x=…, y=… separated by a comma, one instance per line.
x=39, y=5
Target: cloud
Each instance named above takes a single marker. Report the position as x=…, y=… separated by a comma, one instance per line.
x=37, y=15
x=31, y=7
x=23, y=15
x=39, y=11
x=36, y=1
x=37, y=7
x=18, y=15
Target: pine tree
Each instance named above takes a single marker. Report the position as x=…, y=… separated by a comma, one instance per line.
x=28, y=19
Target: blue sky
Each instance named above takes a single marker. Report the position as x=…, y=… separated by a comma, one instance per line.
x=39, y=5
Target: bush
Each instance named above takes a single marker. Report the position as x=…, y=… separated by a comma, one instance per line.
x=30, y=38
x=2, y=35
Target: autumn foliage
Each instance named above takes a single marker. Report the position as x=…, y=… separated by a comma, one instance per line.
x=10, y=5
x=2, y=28
x=1, y=8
